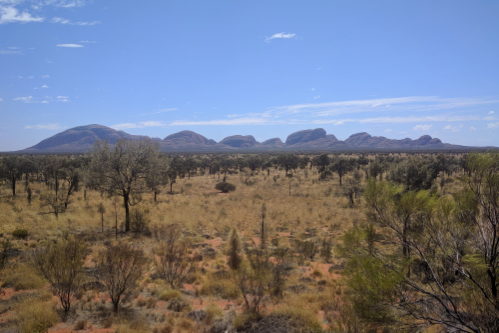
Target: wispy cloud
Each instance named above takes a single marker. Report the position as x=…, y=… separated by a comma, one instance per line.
x=339, y=113
x=67, y=21
x=493, y=125
x=10, y=52
x=45, y=76
x=141, y=124
x=491, y=112
x=69, y=45
x=156, y=112
x=472, y=128
x=45, y=126
x=88, y=41
x=453, y=128
x=27, y=99
x=62, y=99
x=45, y=86
x=423, y=128
x=10, y=14
x=279, y=35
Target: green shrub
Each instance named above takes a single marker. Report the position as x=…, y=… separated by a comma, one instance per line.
x=170, y=294
x=20, y=233
x=225, y=187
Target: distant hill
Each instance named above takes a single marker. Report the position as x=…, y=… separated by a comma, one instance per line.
x=81, y=138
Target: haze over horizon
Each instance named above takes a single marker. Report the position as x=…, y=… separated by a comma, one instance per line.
x=267, y=69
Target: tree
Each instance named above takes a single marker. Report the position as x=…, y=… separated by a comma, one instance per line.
x=119, y=267
x=12, y=170
x=448, y=272
x=172, y=264
x=234, y=249
x=254, y=162
x=61, y=264
x=124, y=168
x=288, y=161
x=322, y=162
x=341, y=166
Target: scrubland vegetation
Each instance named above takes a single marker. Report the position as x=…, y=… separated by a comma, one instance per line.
x=124, y=239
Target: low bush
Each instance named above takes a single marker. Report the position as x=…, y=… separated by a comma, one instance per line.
x=225, y=187
x=170, y=294
x=20, y=233
x=224, y=288
x=21, y=277
x=36, y=315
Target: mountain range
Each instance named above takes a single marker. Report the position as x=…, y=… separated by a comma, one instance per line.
x=81, y=138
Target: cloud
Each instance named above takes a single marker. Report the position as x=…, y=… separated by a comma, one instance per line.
x=45, y=86
x=388, y=130
x=342, y=112
x=472, y=128
x=1, y=99
x=66, y=21
x=45, y=76
x=44, y=102
x=88, y=41
x=452, y=128
x=317, y=97
x=27, y=99
x=157, y=112
x=62, y=99
x=491, y=112
x=10, y=14
x=421, y=127
x=69, y=45
x=45, y=126
x=10, y=52
x=141, y=124
x=279, y=35
x=493, y=125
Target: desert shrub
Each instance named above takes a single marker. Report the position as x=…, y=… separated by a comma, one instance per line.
x=170, y=294
x=36, y=315
x=20, y=233
x=304, y=319
x=139, y=220
x=62, y=265
x=213, y=312
x=172, y=264
x=179, y=305
x=184, y=324
x=80, y=325
x=5, y=247
x=138, y=325
x=225, y=187
x=217, y=287
x=119, y=267
x=22, y=277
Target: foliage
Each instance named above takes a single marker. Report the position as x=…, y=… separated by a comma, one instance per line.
x=225, y=187
x=20, y=233
x=119, y=267
x=61, y=264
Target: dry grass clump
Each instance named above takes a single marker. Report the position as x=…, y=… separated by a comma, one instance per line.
x=138, y=325
x=37, y=315
x=170, y=294
x=21, y=277
x=213, y=312
x=224, y=288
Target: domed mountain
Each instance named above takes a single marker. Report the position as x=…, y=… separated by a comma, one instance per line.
x=81, y=138
x=239, y=141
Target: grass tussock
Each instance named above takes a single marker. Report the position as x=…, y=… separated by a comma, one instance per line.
x=21, y=277
x=224, y=288
x=37, y=315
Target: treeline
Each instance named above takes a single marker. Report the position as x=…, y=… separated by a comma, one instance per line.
x=131, y=168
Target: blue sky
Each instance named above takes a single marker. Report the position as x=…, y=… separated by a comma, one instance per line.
x=266, y=68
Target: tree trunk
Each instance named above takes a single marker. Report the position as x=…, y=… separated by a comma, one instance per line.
x=13, y=186
x=126, y=201
x=341, y=177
